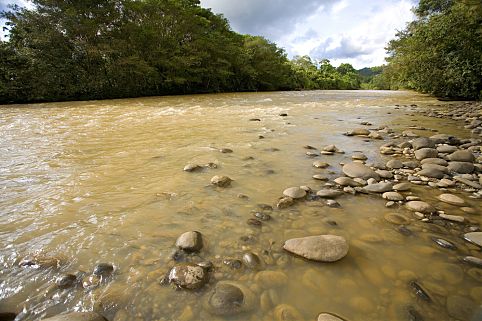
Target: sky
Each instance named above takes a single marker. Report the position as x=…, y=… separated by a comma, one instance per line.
x=352, y=31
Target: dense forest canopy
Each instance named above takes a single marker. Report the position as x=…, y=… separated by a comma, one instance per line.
x=64, y=50
x=440, y=52
x=97, y=49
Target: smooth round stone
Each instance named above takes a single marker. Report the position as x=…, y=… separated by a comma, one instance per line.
x=251, y=260
x=422, y=142
x=441, y=168
x=384, y=173
x=402, y=187
x=323, y=248
x=381, y=187
x=320, y=164
x=229, y=298
x=329, y=193
x=271, y=279
x=451, y=199
x=77, y=316
x=453, y=218
x=462, y=156
x=188, y=276
x=446, y=149
x=360, y=132
x=393, y=196
x=190, y=241
x=294, y=192
x=426, y=153
x=394, y=164
x=436, y=161
x=320, y=177
x=330, y=148
x=474, y=237
x=396, y=219
x=221, y=181
x=358, y=170
x=419, y=206
x=431, y=172
x=66, y=281
x=103, y=269
x=346, y=181
x=192, y=168
x=461, y=167
x=359, y=156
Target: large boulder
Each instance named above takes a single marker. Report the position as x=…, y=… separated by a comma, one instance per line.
x=323, y=248
x=358, y=170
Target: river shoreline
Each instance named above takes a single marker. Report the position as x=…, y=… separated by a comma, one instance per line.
x=418, y=193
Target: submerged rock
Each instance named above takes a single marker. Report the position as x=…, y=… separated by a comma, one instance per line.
x=328, y=317
x=103, y=269
x=77, y=316
x=229, y=298
x=188, y=276
x=323, y=248
x=451, y=199
x=419, y=206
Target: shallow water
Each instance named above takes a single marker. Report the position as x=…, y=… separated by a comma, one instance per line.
x=103, y=181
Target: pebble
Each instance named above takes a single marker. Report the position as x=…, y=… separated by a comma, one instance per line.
x=332, y=203
x=323, y=248
x=285, y=202
x=381, y=187
x=472, y=260
x=251, y=260
x=394, y=164
x=285, y=312
x=426, y=153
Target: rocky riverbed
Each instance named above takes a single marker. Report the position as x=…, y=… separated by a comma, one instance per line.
x=384, y=224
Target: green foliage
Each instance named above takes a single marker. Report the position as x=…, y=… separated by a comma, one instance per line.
x=441, y=52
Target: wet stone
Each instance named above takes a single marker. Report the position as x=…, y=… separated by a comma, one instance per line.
x=294, y=192
x=426, y=153
x=254, y=222
x=381, y=187
x=192, y=168
x=229, y=298
x=444, y=243
x=262, y=216
x=402, y=187
x=328, y=317
x=472, y=260
x=462, y=156
x=103, y=269
x=66, y=281
x=404, y=230
x=77, y=316
x=320, y=177
x=323, y=248
x=419, y=291
x=221, y=181
x=332, y=204
x=190, y=241
x=453, y=218
x=346, y=181
x=396, y=219
x=233, y=263
x=251, y=260
x=91, y=282
x=435, y=161
x=188, y=276
x=474, y=237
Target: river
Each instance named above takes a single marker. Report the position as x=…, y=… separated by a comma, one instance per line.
x=103, y=181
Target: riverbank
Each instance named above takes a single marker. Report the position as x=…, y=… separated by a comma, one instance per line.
x=395, y=238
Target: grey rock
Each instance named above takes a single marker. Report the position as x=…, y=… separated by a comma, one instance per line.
x=381, y=187
x=423, y=142
x=431, y=172
x=446, y=149
x=294, y=192
x=393, y=196
x=394, y=164
x=358, y=170
x=346, y=181
x=329, y=193
x=468, y=182
x=229, y=298
x=285, y=202
x=419, y=206
x=188, y=276
x=426, y=153
x=323, y=248
x=402, y=187
x=191, y=241
x=251, y=260
x=462, y=156
x=437, y=161
x=461, y=167
x=103, y=269
x=221, y=181
x=440, y=168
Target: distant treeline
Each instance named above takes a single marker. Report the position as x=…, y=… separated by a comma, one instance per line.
x=97, y=49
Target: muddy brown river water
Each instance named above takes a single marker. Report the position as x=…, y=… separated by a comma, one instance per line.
x=103, y=181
